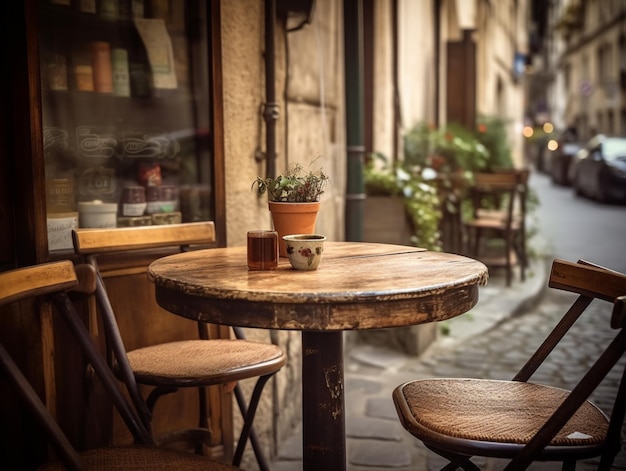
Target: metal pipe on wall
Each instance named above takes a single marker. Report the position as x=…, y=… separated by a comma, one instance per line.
x=437, y=59
x=353, y=57
x=270, y=109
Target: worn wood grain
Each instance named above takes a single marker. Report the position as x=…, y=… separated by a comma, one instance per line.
x=357, y=286
x=41, y=279
x=587, y=279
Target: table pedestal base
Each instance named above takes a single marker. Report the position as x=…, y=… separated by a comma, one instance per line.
x=323, y=417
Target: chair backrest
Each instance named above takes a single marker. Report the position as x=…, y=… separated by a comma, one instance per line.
x=523, y=176
x=23, y=283
x=590, y=282
x=52, y=280
x=495, y=191
x=94, y=242
x=98, y=241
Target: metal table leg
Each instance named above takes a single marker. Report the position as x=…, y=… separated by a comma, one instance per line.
x=323, y=417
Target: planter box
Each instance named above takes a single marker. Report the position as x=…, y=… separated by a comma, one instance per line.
x=385, y=221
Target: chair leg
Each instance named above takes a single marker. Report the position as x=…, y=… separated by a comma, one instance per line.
x=247, y=430
x=155, y=394
x=508, y=246
x=203, y=421
x=522, y=256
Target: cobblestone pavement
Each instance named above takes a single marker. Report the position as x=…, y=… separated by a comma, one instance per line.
x=480, y=344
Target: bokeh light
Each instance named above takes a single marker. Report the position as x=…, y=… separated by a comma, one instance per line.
x=528, y=131
x=553, y=144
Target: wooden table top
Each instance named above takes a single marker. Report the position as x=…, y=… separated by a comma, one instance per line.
x=357, y=286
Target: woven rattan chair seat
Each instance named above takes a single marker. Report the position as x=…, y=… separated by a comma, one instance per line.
x=143, y=458
x=497, y=411
x=204, y=362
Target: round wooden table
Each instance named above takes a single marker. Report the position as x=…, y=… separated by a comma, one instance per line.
x=357, y=286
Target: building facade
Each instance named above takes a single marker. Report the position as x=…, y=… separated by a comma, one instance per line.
x=321, y=83
x=584, y=59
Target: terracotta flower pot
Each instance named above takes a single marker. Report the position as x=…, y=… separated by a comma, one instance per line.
x=293, y=218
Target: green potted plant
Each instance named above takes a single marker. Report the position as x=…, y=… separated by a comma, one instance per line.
x=419, y=196
x=293, y=200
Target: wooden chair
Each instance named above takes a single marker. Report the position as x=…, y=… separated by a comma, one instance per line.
x=499, y=213
x=196, y=363
x=50, y=282
x=523, y=421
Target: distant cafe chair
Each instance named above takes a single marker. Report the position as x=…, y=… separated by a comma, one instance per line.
x=49, y=282
x=524, y=421
x=498, y=201
x=194, y=363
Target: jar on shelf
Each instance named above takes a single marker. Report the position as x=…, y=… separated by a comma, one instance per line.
x=133, y=201
x=101, y=63
x=56, y=70
x=60, y=195
x=149, y=174
x=121, y=77
x=83, y=71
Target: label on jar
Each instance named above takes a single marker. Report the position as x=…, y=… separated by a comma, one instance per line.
x=133, y=194
x=60, y=195
x=133, y=209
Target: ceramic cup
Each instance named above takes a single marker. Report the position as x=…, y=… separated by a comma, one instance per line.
x=304, y=250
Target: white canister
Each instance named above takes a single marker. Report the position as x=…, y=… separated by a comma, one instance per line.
x=97, y=214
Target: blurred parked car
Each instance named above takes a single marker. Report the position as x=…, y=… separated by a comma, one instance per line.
x=599, y=169
x=561, y=160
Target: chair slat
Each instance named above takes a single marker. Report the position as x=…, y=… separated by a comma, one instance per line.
x=36, y=281
x=588, y=280
x=618, y=316
x=91, y=241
